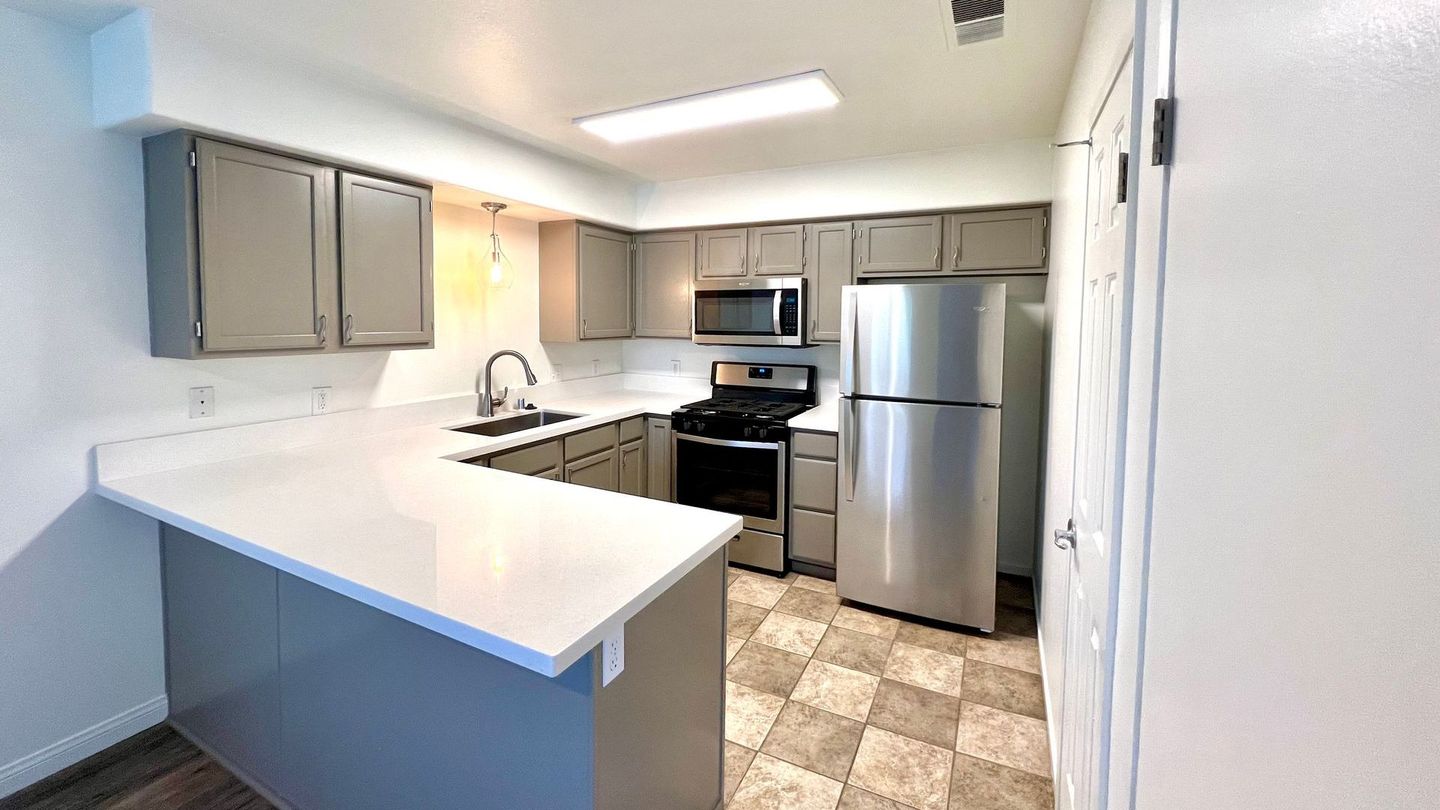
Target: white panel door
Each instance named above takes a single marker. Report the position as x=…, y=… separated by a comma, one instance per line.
x=1099, y=451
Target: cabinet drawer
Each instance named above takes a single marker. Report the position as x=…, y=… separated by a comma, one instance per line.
x=632, y=429
x=814, y=485
x=528, y=460
x=816, y=445
x=812, y=537
x=758, y=549
x=590, y=441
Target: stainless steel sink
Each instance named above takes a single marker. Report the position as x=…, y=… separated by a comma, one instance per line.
x=506, y=425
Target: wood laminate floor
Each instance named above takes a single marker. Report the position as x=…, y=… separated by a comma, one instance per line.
x=154, y=769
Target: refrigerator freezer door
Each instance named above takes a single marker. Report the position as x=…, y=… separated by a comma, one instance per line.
x=932, y=342
x=917, y=508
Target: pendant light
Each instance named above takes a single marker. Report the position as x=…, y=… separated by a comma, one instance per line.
x=499, y=272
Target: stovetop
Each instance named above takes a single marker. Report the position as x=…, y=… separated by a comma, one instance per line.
x=758, y=409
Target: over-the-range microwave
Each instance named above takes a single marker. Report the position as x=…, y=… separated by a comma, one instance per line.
x=750, y=312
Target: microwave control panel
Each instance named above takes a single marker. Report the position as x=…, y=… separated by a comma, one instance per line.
x=790, y=313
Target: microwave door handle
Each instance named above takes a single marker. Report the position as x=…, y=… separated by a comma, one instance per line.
x=779, y=296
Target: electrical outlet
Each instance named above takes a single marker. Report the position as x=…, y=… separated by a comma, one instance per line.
x=555, y=372
x=319, y=400
x=612, y=656
x=675, y=367
x=595, y=368
x=202, y=402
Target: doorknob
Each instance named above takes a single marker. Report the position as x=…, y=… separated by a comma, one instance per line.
x=1065, y=538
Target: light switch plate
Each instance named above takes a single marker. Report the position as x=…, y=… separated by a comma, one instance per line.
x=612, y=656
x=319, y=400
x=675, y=368
x=595, y=368
x=202, y=402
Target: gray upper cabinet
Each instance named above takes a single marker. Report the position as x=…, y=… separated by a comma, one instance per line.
x=664, y=269
x=266, y=252
x=777, y=250
x=386, y=283
x=899, y=245
x=828, y=268
x=724, y=253
x=585, y=282
x=995, y=240
x=253, y=252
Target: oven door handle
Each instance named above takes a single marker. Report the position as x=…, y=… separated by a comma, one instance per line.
x=686, y=437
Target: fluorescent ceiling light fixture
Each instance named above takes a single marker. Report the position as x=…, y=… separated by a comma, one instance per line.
x=733, y=105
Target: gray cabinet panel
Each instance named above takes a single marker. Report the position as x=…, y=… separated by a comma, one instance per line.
x=633, y=472
x=828, y=268
x=553, y=474
x=600, y=471
x=724, y=253
x=812, y=537
x=664, y=269
x=604, y=283
x=578, y=445
x=528, y=460
x=777, y=250
x=266, y=249
x=816, y=445
x=813, y=484
x=657, y=439
x=898, y=245
x=386, y=287
x=995, y=240
x=632, y=429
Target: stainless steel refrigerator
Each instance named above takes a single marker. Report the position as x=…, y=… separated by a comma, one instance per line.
x=920, y=379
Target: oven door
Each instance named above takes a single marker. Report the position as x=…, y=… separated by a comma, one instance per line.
x=760, y=312
x=742, y=478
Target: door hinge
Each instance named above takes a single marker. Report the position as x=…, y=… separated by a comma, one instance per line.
x=1162, y=147
x=199, y=332
x=192, y=158
x=1122, y=178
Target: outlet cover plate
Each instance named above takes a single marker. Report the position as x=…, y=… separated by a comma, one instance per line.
x=612, y=656
x=202, y=402
x=319, y=400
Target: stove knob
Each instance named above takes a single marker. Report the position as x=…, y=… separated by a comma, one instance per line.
x=685, y=425
x=749, y=431
x=699, y=427
x=762, y=432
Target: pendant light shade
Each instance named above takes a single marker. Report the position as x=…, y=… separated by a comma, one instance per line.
x=496, y=267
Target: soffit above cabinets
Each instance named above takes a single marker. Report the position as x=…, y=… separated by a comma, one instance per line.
x=528, y=69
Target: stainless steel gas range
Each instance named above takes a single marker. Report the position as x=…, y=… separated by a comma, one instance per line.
x=730, y=453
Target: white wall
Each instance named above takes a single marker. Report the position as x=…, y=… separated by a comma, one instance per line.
x=154, y=73
x=1107, y=37
x=1292, y=631
x=80, y=637
x=976, y=176
x=656, y=355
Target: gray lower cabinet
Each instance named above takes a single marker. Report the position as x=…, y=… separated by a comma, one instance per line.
x=664, y=270
x=657, y=439
x=386, y=287
x=532, y=460
x=898, y=245
x=812, y=498
x=585, y=282
x=995, y=240
x=724, y=253
x=777, y=250
x=828, y=268
x=633, y=473
x=253, y=252
x=600, y=471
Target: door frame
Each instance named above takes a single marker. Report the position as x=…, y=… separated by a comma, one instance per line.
x=1147, y=189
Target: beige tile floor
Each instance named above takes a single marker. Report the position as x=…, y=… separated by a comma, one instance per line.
x=832, y=705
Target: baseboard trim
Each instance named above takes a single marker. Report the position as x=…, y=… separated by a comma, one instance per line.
x=1016, y=570
x=29, y=769
x=1052, y=726
x=228, y=764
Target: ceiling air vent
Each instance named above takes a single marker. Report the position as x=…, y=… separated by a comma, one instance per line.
x=977, y=20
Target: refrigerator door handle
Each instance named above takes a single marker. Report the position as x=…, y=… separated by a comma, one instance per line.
x=849, y=370
x=852, y=447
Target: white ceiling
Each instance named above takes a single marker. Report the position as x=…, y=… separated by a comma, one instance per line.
x=528, y=68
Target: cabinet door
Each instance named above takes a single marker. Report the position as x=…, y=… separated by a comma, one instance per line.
x=657, y=437
x=724, y=253
x=812, y=536
x=552, y=474
x=777, y=250
x=604, y=270
x=664, y=269
x=909, y=245
x=828, y=268
x=598, y=471
x=632, y=468
x=995, y=240
x=386, y=288
x=267, y=253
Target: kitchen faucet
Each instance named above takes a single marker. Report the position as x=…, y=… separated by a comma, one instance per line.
x=488, y=404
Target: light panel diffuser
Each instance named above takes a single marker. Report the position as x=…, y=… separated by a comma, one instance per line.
x=733, y=105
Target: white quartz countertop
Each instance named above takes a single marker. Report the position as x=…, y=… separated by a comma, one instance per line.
x=533, y=571
x=825, y=416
